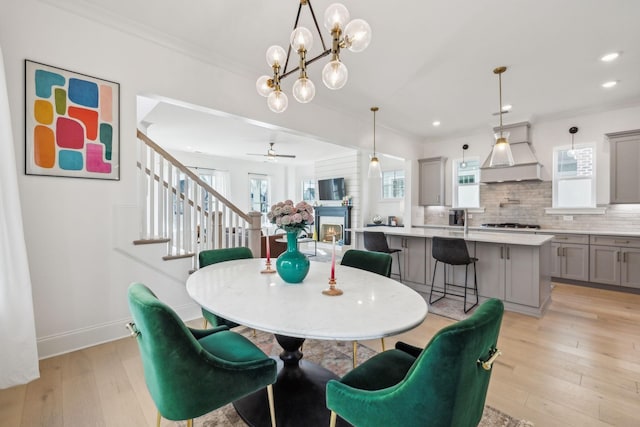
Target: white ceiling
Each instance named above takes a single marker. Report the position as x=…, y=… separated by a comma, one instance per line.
x=428, y=60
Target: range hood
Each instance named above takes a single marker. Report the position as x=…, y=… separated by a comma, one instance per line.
x=526, y=166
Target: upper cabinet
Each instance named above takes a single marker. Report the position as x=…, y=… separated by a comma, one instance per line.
x=625, y=174
x=432, y=181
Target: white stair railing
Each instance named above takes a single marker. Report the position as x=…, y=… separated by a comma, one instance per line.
x=179, y=208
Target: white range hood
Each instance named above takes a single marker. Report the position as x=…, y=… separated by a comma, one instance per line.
x=526, y=166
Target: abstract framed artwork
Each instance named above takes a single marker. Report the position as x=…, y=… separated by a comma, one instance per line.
x=72, y=124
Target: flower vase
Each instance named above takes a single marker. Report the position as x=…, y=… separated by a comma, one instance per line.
x=292, y=265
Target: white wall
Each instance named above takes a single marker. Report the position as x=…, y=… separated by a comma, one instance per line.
x=75, y=229
x=546, y=134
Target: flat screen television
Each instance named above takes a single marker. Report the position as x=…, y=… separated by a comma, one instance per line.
x=331, y=189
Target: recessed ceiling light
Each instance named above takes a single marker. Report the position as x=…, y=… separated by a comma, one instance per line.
x=436, y=123
x=610, y=84
x=610, y=57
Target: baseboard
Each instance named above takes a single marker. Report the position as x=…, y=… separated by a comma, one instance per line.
x=55, y=345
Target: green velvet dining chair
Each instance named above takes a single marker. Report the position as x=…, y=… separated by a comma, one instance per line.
x=443, y=385
x=375, y=262
x=214, y=256
x=190, y=372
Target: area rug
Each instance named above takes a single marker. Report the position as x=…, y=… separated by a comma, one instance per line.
x=335, y=356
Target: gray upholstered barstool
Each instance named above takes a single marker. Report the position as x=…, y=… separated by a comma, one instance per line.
x=453, y=251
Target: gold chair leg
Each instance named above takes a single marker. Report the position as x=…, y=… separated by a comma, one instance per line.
x=272, y=408
x=158, y=418
x=204, y=324
x=190, y=422
x=254, y=333
x=382, y=341
x=355, y=353
x=332, y=422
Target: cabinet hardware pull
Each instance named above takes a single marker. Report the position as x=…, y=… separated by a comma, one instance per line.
x=559, y=251
x=624, y=242
x=501, y=252
x=618, y=256
x=564, y=251
x=493, y=355
x=562, y=238
x=508, y=252
x=624, y=257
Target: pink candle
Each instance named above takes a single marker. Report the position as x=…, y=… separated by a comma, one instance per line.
x=333, y=259
x=267, y=244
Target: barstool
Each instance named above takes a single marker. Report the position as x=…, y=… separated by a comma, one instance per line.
x=376, y=241
x=453, y=252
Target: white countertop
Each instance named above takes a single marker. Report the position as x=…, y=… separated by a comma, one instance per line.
x=630, y=233
x=372, y=306
x=474, y=235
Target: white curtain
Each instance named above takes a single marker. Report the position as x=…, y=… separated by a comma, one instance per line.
x=19, y=355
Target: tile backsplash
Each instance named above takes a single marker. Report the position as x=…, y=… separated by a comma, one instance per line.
x=525, y=203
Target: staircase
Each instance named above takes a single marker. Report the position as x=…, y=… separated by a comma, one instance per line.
x=181, y=211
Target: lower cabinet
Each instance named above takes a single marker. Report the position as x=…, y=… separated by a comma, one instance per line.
x=615, y=261
x=414, y=258
x=513, y=273
x=570, y=257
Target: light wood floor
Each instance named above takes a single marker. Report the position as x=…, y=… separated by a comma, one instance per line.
x=577, y=366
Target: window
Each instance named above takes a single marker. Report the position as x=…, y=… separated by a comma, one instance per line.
x=393, y=184
x=466, y=183
x=308, y=190
x=574, y=177
x=259, y=194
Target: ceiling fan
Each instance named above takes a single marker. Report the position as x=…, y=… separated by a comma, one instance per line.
x=271, y=153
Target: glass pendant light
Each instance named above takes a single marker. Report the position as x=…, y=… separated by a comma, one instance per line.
x=375, y=171
x=501, y=152
x=572, y=153
x=463, y=165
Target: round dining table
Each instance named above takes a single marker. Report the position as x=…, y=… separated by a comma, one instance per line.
x=371, y=306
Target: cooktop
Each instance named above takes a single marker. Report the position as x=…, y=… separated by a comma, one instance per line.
x=511, y=225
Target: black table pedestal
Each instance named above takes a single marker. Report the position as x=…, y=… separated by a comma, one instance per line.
x=299, y=392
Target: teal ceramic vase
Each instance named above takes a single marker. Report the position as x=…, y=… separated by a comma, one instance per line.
x=292, y=265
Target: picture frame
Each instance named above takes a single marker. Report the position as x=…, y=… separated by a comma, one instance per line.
x=72, y=124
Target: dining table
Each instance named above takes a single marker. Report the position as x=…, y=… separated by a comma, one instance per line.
x=371, y=306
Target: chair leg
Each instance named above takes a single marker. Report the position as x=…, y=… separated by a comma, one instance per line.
x=204, y=324
x=355, y=353
x=475, y=289
x=190, y=422
x=382, y=342
x=399, y=270
x=433, y=281
x=158, y=419
x=332, y=421
x=272, y=408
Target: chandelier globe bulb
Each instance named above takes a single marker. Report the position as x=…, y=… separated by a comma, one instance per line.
x=262, y=86
x=277, y=101
x=358, y=34
x=335, y=15
x=276, y=55
x=301, y=38
x=335, y=74
x=304, y=90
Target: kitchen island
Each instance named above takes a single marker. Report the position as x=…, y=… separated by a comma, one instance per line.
x=513, y=267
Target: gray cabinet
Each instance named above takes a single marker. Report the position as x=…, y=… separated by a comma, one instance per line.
x=432, y=180
x=625, y=174
x=512, y=273
x=570, y=257
x=615, y=261
x=415, y=257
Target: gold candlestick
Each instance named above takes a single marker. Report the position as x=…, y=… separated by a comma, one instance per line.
x=267, y=268
x=332, y=291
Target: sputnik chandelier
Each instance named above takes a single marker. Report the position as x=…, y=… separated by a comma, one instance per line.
x=354, y=35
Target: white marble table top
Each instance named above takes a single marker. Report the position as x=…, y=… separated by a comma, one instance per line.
x=372, y=306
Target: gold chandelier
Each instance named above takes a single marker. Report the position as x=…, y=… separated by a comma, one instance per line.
x=354, y=35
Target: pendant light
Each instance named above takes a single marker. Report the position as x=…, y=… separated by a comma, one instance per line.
x=501, y=152
x=572, y=130
x=375, y=170
x=463, y=165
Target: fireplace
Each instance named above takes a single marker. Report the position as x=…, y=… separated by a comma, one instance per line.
x=330, y=231
x=333, y=221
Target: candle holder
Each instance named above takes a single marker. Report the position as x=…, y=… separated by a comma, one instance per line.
x=267, y=268
x=332, y=291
